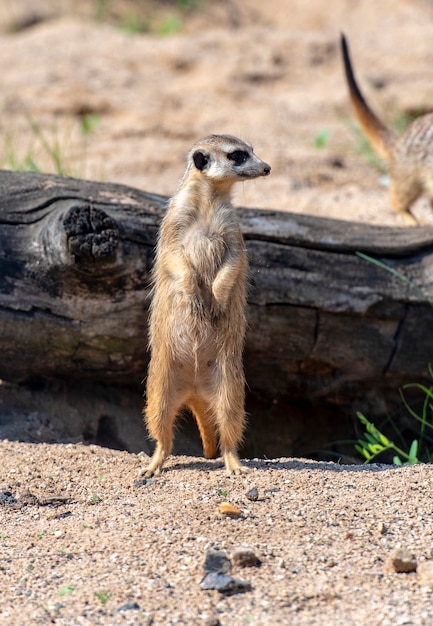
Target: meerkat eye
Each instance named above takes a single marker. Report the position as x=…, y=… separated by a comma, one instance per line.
x=238, y=156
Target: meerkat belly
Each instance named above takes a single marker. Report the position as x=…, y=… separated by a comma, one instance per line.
x=206, y=250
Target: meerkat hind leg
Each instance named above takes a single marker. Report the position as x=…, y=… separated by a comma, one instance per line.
x=233, y=464
x=157, y=461
x=401, y=200
x=161, y=412
x=231, y=426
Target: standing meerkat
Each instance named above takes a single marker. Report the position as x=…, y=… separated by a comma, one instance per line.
x=409, y=157
x=197, y=320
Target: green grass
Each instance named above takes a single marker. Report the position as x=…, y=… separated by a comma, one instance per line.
x=46, y=149
x=363, y=147
x=146, y=17
x=321, y=139
x=103, y=596
x=418, y=447
x=66, y=590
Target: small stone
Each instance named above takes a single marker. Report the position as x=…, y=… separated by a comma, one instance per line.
x=6, y=497
x=425, y=574
x=224, y=583
x=230, y=510
x=244, y=557
x=382, y=528
x=143, y=482
x=253, y=494
x=212, y=621
x=403, y=561
x=217, y=561
x=58, y=534
x=129, y=606
x=28, y=498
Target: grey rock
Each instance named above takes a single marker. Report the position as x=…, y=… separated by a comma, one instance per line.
x=253, y=494
x=143, y=482
x=224, y=583
x=129, y=606
x=217, y=561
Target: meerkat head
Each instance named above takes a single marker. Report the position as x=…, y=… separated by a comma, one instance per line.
x=224, y=158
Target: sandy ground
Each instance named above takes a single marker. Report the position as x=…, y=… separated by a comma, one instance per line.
x=89, y=545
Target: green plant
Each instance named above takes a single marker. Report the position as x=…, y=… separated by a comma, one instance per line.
x=376, y=443
x=170, y=24
x=223, y=492
x=420, y=448
x=392, y=270
x=321, y=139
x=135, y=24
x=89, y=123
x=102, y=8
x=103, y=596
x=363, y=147
x=403, y=119
x=66, y=590
x=45, y=143
x=40, y=534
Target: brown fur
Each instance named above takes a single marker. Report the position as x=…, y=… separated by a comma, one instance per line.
x=197, y=322
x=409, y=157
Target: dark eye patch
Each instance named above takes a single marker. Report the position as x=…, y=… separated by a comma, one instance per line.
x=238, y=156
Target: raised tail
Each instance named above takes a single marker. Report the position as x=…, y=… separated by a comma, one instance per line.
x=378, y=134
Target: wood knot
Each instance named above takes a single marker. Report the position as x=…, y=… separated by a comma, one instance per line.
x=92, y=235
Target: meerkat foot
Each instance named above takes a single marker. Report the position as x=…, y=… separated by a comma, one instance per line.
x=155, y=466
x=233, y=464
x=409, y=219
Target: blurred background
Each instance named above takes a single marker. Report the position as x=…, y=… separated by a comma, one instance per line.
x=118, y=90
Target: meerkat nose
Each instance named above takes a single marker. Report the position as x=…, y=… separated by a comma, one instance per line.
x=267, y=169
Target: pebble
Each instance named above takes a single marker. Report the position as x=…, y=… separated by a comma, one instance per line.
x=6, y=497
x=253, y=494
x=217, y=561
x=143, y=482
x=403, y=561
x=226, y=508
x=425, y=574
x=129, y=606
x=245, y=557
x=224, y=583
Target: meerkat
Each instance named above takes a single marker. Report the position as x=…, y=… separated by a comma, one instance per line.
x=197, y=316
x=409, y=157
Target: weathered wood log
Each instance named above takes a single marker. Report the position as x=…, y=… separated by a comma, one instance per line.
x=325, y=326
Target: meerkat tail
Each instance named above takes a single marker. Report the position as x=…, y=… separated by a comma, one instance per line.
x=378, y=134
x=204, y=417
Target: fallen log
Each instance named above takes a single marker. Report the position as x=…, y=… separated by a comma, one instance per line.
x=329, y=331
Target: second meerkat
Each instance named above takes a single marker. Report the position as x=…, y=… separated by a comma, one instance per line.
x=409, y=157
x=197, y=321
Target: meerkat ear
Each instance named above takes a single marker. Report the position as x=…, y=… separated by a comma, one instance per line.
x=201, y=159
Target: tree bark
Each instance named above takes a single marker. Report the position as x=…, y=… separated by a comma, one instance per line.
x=326, y=327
